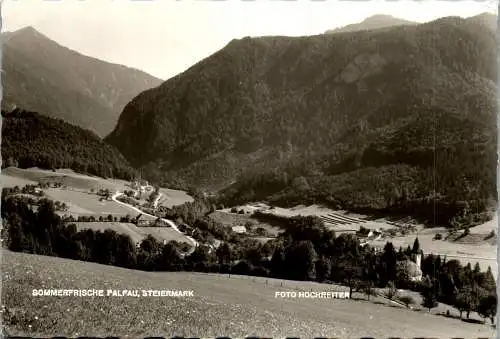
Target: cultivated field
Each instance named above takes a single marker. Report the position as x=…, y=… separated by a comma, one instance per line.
x=484, y=252
x=221, y=306
x=171, y=198
x=11, y=181
x=78, y=194
x=65, y=177
x=136, y=233
x=229, y=219
x=338, y=221
x=82, y=203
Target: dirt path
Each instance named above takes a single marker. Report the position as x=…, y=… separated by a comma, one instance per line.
x=193, y=242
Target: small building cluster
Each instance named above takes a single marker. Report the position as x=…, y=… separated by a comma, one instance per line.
x=239, y=229
x=142, y=186
x=143, y=221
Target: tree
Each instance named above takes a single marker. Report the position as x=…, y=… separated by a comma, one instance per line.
x=392, y=291
x=467, y=299
x=200, y=254
x=223, y=253
x=488, y=307
x=253, y=255
x=429, y=295
x=150, y=244
x=278, y=261
x=300, y=260
x=488, y=282
x=416, y=246
x=368, y=288
x=403, y=272
x=352, y=272
x=389, y=262
x=169, y=256
x=323, y=269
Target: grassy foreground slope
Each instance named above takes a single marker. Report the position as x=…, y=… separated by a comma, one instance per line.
x=220, y=306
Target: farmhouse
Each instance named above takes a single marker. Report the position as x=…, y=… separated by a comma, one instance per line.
x=141, y=221
x=160, y=223
x=141, y=186
x=239, y=229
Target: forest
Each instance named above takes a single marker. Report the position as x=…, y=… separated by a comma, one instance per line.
x=32, y=140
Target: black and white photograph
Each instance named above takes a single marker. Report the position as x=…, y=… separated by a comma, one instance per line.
x=258, y=168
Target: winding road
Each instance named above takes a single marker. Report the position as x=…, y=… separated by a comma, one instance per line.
x=193, y=242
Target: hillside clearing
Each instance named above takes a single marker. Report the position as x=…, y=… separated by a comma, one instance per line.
x=12, y=181
x=171, y=197
x=220, y=306
x=66, y=177
x=81, y=203
x=484, y=253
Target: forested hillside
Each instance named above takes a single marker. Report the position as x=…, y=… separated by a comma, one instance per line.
x=400, y=119
x=33, y=140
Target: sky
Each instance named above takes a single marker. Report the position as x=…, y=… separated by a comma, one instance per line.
x=165, y=37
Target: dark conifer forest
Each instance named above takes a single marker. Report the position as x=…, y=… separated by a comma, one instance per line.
x=32, y=140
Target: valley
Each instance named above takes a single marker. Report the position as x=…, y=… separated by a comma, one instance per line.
x=360, y=160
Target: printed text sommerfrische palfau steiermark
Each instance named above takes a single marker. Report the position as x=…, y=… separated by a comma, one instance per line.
x=110, y=293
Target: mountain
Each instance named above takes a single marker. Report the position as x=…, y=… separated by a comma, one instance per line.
x=373, y=22
x=369, y=119
x=43, y=76
x=33, y=140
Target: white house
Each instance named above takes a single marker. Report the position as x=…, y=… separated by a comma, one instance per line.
x=239, y=229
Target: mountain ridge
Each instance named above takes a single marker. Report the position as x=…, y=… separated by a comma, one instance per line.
x=377, y=21
x=41, y=75
x=321, y=105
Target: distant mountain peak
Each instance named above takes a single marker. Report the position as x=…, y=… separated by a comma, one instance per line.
x=377, y=17
x=41, y=75
x=27, y=31
x=376, y=21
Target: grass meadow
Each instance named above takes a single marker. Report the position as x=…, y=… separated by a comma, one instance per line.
x=221, y=306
